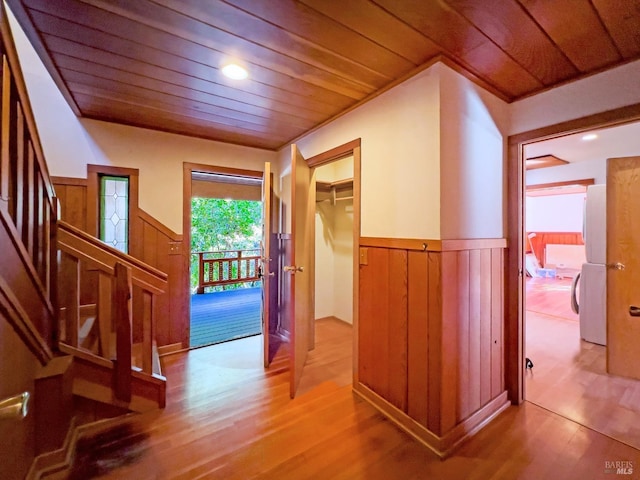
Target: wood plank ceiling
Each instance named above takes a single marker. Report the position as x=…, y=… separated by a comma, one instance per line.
x=156, y=63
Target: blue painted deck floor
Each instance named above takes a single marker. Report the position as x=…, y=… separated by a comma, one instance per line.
x=223, y=316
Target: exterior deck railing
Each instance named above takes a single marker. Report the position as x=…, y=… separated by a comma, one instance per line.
x=226, y=267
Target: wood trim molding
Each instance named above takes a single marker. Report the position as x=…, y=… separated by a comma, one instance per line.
x=93, y=190
x=357, y=221
x=72, y=181
x=473, y=244
x=336, y=153
x=421, y=245
x=201, y=167
x=59, y=462
x=100, y=255
x=111, y=170
x=584, y=182
x=19, y=319
x=543, y=161
x=616, y=116
x=476, y=422
x=445, y=445
x=514, y=279
x=425, y=245
x=187, y=169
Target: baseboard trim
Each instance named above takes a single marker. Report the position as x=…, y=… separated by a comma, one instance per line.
x=443, y=446
x=333, y=317
x=57, y=461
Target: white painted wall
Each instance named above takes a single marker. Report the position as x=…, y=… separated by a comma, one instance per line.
x=324, y=268
x=432, y=149
x=555, y=213
x=334, y=248
x=343, y=252
x=70, y=144
x=400, y=132
x=612, y=89
x=596, y=169
x=473, y=124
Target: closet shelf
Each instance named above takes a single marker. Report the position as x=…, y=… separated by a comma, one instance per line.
x=334, y=191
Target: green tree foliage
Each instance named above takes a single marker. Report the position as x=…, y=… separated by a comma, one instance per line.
x=219, y=224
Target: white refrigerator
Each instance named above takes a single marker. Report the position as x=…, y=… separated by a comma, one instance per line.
x=591, y=304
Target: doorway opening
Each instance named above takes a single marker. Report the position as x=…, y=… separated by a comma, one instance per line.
x=333, y=292
x=225, y=288
x=567, y=348
x=327, y=328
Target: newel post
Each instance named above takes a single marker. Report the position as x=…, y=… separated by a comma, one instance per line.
x=122, y=313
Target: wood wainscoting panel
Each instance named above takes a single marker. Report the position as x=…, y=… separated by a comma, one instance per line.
x=497, y=322
x=373, y=331
x=449, y=374
x=156, y=245
x=465, y=400
x=72, y=195
x=434, y=339
x=431, y=336
x=486, y=293
x=383, y=327
x=417, y=336
x=398, y=325
x=159, y=251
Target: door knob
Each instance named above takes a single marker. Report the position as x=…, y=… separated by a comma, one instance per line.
x=293, y=269
x=616, y=266
x=634, y=311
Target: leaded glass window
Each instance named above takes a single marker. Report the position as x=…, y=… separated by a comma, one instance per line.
x=114, y=211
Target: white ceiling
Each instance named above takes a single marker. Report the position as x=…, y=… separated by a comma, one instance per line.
x=618, y=141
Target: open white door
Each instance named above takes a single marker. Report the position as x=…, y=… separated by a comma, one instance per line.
x=265, y=264
x=299, y=290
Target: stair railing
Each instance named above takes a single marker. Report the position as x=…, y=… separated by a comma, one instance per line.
x=118, y=274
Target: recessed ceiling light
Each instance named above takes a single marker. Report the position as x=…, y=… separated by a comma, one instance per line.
x=235, y=71
x=589, y=136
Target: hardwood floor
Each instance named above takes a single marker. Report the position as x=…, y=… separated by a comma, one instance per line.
x=228, y=418
x=569, y=375
x=551, y=296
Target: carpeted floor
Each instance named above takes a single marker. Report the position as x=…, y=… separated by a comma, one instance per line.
x=222, y=316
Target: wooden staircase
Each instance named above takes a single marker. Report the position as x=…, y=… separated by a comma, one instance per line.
x=109, y=367
x=96, y=360
x=77, y=316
